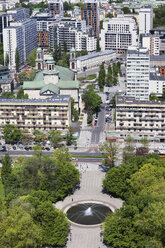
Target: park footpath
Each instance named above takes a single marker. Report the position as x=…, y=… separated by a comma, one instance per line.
x=90, y=190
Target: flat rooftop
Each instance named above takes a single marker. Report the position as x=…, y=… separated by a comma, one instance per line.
x=94, y=55
x=53, y=99
x=132, y=101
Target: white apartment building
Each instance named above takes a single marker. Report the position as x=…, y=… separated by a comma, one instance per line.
x=90, y=61
x=152, y=43
x=156, y=83
x=85, y=42
x=118, y=34
x=140, y=118
x=23, y=35
x=138, y=61
x=145, y=20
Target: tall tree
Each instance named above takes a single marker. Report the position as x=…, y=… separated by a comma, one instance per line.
x=109, y=150
x=12, y=134
x=65, y=47
x=17, y=60
x=6, y=168
x=101, y=77
x=21, y=95
x=109, y=79
x=55, y=138
x=98, y=46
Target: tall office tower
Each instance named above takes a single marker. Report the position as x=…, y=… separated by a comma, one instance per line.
x=21, y=35
x=4, y=22
x=138, y=61
x=145, y=20
x=91, y=15
x=55, y=7
x=118, y=34
x=18, y=14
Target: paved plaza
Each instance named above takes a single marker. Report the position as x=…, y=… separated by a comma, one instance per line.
x=90, y=190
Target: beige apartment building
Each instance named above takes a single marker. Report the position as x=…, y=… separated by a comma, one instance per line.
x=142, y=118
x=42, y=114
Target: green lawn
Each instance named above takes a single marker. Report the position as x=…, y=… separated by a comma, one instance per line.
x=90, y=77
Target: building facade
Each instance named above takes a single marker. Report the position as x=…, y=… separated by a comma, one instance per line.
x=91, y=15
x=137, y=73
x=4, y=22
x=55, y=7
x=145, y=20
x=21, y=35
x=41, y=114
x=118, y=34
x=145, y=118
x=18, y=14
x=87, y=62
x=152, y=42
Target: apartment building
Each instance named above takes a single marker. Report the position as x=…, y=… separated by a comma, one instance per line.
x=85, y=42
x=152, y=42
x=21, y=35
x=18, y=14
x=145, y=20
x=4, y=22
x=90, y=61
x=42, y=114
x=144, y=118
x=92, y=16
x=55, y=7
x=156, y=83
x=137, y=73
x=118, y=34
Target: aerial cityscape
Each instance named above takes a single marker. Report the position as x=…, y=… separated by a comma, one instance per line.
x=82, y=124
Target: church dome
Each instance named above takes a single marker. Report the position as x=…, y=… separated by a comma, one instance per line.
x=50, y=60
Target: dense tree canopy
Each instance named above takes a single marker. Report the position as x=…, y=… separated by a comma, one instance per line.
x=159, y=19
x=140, y=222
x=12, y=134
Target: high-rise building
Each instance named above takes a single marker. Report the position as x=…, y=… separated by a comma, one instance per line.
x=21, y=35
x=55, y=7
x=4, y=22
x=118, y=34
x=18, y=14
x=138, y=61
x=152, y=42
x=91, y=15
x=145, y=20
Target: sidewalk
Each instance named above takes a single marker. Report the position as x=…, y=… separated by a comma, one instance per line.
x=90, y=190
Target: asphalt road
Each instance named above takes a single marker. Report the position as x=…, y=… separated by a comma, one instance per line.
x=29, y=153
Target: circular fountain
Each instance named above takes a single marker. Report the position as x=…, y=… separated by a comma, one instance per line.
x=88, y=213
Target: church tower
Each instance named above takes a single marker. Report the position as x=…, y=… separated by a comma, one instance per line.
x=39, y=59
x=72, y=59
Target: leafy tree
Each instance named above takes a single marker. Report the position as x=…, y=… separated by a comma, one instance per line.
x=153, y=97
x=91, y=100
x=67, y=6
x=109, y=79
x=65, y=47
x=17, y=60
x=113, y=100
x=126, y=10
x=39, y=136
x=101, y=77
x=17, y=229
x=8, y=95
x=31, y=59
x=53, y=224
x=12, y=134
x=6, y=168
x=57, y=53
x=163, y=95
x=81, y=53
x=38, y=150
x=21, y=95
x=98, y=46
x=74, y=111
x=64, y=61
x=101, y=24
x=69, y=136
x=158, y=20
x=55, y=138
x=109, y=150
x=109, y=15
